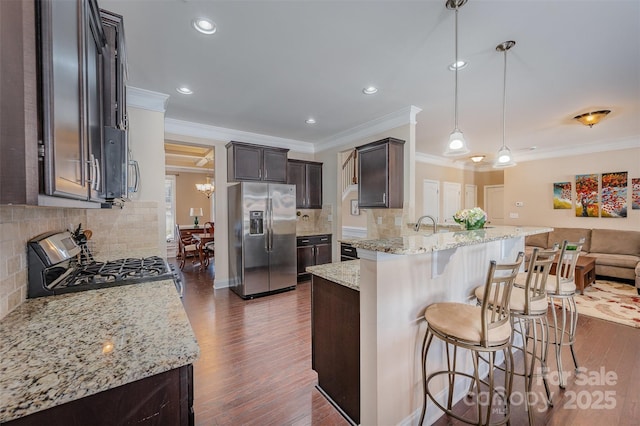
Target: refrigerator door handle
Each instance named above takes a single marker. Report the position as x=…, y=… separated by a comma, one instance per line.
x=270, y=235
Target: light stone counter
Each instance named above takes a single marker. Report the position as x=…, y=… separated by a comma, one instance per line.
x=419, y=242
x=343, y=273
x=310, y=233
x=61, y=348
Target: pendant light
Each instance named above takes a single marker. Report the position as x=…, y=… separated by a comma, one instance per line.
x=504, y=157
x=457, y=145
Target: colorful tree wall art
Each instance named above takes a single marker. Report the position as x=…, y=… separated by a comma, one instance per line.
x=635, y=193
x=614, y=195
x=587, y=195
x=562, y=195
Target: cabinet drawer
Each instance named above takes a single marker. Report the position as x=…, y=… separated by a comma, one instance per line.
x=313, y=240
x=348, y=252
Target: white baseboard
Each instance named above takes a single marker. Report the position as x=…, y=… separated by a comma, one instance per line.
x=218, y=284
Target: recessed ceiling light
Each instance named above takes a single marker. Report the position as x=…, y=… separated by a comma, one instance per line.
x=204, y=25
x=184, y=90
x=369, y=90
x=310, y=121
x=460, y=65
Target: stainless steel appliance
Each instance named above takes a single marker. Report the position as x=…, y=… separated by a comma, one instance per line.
x=56, y=267
x=262, y=238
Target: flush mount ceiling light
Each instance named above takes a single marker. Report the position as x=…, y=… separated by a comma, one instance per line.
x=204, y=26
x=370, y=90
x=457, y=145
x=591, y=118
x=477, y=158
x=458, y=65
x=184, y=90
x=504, y=158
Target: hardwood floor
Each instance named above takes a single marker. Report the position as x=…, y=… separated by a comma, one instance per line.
x=255, y=357
x=255, y=365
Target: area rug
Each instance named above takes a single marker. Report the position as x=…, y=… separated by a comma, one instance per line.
x=611, y=301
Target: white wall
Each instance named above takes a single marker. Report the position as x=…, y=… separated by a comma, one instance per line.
x=146, y=141
x=532, y=182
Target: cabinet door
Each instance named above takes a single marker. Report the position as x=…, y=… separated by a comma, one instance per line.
x=296, y=176
x=314, y=185
x=373, y=176
x=305, y=258
x=247, y=163
x=93, y=64
x=275, y=166
x=62, y=109
x=323, y=253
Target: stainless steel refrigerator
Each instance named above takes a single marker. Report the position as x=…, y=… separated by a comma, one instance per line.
x=262, y=238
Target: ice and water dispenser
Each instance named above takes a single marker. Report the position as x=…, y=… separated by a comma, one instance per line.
x=256, y=222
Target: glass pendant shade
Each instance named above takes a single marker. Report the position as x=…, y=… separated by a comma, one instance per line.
x=504, y=158
x=457, y=144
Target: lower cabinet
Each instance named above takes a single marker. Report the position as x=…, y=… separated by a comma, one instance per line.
x=165, y=399
x=313, y=250
x=335, y=343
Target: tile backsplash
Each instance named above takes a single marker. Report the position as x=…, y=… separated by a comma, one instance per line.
x=314, y=220
x=128, y=232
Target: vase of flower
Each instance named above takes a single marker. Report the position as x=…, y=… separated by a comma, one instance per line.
x=474, y=218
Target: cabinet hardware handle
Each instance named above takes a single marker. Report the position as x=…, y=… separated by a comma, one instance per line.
x=323, y=239
x=97, y=175
x=384, y=198
x=305, y=241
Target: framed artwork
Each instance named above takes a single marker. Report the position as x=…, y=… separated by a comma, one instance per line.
x=562, y=195
x=355, y=210
x=635, y=194
x=587, y=195
x=614, y=195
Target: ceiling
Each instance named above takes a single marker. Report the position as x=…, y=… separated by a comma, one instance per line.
x=273, y=64
x=188, y=158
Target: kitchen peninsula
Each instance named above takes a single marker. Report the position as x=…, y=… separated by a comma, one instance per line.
x=120, y=354
x=396, y=279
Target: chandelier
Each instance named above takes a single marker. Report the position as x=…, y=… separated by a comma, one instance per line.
x=206, y=188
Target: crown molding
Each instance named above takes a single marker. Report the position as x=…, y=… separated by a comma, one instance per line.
x=592, y=148
x=146, y=99
x=205, y=131
x=186, y=169
x=390, y=121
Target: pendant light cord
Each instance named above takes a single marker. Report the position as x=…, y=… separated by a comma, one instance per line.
x=455, y=108
x=504, y=100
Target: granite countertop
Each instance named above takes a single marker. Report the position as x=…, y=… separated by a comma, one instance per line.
x=311, y=233
x=419, y=242
x=61, y=348
x=345, y=273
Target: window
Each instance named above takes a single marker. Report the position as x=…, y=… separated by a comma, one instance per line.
x=170, y=205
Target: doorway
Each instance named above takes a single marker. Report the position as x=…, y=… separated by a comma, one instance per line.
x=494, y=203
x=188, y=165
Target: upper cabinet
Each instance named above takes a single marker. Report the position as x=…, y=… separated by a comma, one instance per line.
x=307, y=176
x=55, y=127
x=115, y=71
x=248, y=162
x=381, y=174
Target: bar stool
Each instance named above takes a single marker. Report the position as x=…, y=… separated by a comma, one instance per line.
x=561, y=290
x=480, y=329
x=529, y=308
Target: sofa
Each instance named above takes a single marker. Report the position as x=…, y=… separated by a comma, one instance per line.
x=617, y=252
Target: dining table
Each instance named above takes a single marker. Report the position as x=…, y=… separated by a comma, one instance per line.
x=201, y=240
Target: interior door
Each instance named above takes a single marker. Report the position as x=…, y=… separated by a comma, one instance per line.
x=470, y=196
x=494, y=203
x=431, y=198
x=450, y=200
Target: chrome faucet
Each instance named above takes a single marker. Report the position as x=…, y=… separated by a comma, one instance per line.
x=417, y=227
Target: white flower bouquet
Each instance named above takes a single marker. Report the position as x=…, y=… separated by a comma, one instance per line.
x=474, y=218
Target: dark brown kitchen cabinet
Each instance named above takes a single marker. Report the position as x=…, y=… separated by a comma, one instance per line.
x=312, y=250
x=381, y=174
x=307, y=177
x=335, y=343
x=164, y=399
x=115, y=71
x=52, y=110
x=249, y=162
x=71, y=90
